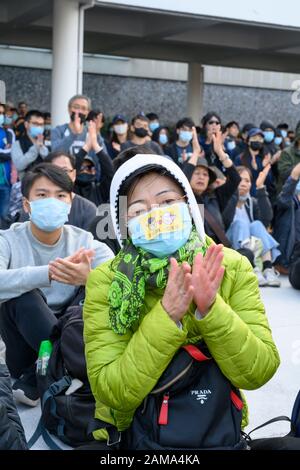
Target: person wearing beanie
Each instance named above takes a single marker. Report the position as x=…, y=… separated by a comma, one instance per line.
x=168, y=286
x=268, y=129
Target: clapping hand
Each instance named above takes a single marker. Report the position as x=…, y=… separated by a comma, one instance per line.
x=260, y=181
x=179, y=290
x=207, y=276
x=73, y=269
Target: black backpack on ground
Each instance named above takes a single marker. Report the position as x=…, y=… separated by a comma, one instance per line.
x=67, y=403
x=192, y=407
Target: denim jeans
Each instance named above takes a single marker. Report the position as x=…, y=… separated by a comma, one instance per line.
x=4, y=199
x=241, y=230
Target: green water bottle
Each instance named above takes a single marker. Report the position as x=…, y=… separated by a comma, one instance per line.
x=44, y=356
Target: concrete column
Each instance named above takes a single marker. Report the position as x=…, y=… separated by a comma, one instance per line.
x=65, y=58
x=195, y=91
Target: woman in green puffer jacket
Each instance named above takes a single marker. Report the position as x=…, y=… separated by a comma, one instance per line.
x=168, y=286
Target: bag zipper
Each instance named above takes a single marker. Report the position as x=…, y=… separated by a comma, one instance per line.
x=164, y=411
x=179, y=376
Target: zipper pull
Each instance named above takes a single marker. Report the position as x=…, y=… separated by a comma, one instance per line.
x=163, y=415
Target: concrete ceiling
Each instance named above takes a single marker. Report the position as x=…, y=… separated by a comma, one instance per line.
x=152, y=34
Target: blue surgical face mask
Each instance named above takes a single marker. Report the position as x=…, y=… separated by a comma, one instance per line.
x=185, y=136
x=153, y=126
x=269, y=136
x=49, y=214
x=283, y=133
x=162, y=230
x=8, y=120
x=1, y=120
x=34, y=131
x=230, y=144
x=163, y=139
x=277, y=140
x=298, y=188
x=47, y=127
x=120, y=128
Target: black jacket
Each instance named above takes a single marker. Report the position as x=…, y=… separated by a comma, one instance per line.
x=217, y=200
x=12, y=435
x=258, y=208
x=96, y=192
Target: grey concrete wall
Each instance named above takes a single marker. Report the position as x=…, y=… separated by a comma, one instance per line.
x=166, y=98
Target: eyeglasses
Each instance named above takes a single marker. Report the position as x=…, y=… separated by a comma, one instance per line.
x=140, y=208
x=214, y=122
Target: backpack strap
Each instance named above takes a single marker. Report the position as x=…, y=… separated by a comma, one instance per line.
x=55, y=389
x=271, y=421
x=41, y=431
x=195, y=353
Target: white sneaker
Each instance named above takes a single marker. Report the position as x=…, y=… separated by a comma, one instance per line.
x=271, y=277
x=260, y=277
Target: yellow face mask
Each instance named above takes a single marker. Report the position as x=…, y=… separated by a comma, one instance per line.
x=161, y=220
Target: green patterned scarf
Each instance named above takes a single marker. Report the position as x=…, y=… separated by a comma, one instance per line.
x=134, y=269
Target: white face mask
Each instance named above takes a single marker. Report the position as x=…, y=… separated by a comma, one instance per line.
x=120, y=128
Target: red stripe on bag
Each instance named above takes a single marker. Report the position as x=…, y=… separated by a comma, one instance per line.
x=238, y=403
x=163, y=415
x=195, y=353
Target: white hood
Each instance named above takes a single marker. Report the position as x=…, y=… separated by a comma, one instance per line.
x=139, y=161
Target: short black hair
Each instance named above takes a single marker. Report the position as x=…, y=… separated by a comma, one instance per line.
x=127, y=154
x=186, y=121
x=232, y=123
x=283, y=125
x=152, y=116
x=54, y=155
x=141, y=117
x=47, y=115
x=33, y=112
x=50, y=171
x=94, y=113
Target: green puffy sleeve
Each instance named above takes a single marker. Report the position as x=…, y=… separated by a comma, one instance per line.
x=123, y=369
x=236, y=329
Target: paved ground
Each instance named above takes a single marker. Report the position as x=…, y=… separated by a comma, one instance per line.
x=277, y=396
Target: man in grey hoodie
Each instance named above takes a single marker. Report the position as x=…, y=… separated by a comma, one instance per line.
x=44, y=265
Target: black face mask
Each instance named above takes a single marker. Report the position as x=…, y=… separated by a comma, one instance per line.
x=140, y=132
x=256, y=145
x=84, y=179
x=82, y=117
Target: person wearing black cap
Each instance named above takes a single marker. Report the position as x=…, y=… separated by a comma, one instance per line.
x=119, y=135
x=94, y=169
